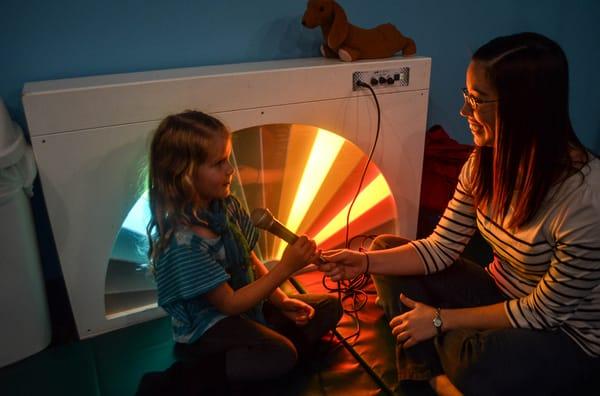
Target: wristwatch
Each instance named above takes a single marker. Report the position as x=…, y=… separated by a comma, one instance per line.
x=437, y=321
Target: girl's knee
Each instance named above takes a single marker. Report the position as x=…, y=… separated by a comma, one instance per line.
x=286, y=358
x=328, y=312
x=269, y=360
x=333, y=309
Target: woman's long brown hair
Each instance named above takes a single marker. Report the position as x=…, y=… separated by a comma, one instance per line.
x=179, y=145
x=534, y=136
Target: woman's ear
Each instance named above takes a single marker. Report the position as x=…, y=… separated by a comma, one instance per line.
x=339, y=28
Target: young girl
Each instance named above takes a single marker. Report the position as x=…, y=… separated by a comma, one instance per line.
x=529, y=323
x=208, y=279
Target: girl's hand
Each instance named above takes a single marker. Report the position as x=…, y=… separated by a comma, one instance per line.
x=413, y=326
x=298, y=255
x=343, y=264
x=296, y=310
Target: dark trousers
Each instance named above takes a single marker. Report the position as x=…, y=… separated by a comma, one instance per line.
x=256, y=352
x=236, y=350
x=481, y=362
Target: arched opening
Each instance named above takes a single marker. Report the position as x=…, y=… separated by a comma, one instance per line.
x=305, y=175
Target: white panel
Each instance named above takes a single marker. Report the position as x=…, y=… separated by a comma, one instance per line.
x=90, y=138
x=90, y=181
x=92, y=102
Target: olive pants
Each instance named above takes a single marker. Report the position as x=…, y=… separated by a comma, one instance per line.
x=480, y=362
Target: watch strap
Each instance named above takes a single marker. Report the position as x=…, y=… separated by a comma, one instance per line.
x=437, y=321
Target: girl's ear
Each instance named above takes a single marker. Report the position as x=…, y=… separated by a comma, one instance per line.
x=339, y=28
x=188, y=182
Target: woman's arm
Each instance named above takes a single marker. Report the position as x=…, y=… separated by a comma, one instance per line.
x=385, y=262
x=347, y=264
x=484, y=317
x=424, y=256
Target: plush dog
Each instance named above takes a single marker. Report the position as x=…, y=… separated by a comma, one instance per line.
x=348, y=42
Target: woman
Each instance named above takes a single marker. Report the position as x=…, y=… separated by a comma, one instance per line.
x=529, y=323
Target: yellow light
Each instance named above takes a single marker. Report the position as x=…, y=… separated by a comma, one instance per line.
x=324, y=151
x=370, y=196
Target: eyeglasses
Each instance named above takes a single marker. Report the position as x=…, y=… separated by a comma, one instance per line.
x=474, y=101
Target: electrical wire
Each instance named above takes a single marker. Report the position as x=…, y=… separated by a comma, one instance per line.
x=364, y=173
x=352, y=289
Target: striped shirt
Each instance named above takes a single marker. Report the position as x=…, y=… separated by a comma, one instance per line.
x=192, y=266
x=549, y=268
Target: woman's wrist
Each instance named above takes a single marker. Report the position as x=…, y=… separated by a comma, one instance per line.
x=367, y=263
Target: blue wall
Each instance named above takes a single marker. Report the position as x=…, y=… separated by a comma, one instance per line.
x=42, y=40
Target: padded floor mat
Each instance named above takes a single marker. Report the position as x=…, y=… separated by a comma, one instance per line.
x=113, y=364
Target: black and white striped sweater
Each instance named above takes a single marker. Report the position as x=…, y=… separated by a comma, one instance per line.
x=550, y=268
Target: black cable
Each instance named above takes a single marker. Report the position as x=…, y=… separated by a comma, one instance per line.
x=364, y=173
x=349, y=348
x=352, y=289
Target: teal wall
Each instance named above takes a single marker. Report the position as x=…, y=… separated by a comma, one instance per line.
x=42, y=40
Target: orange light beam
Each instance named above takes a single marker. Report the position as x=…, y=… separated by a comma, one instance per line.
x=325, y=150
x=371, y=195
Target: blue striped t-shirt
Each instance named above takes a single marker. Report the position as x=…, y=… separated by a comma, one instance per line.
x=192, y=266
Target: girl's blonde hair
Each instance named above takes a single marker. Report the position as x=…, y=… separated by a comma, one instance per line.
x=179, y=146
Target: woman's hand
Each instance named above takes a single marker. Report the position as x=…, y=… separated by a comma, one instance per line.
x=413, y=326
x=299, y=254
x=343, y=264
x=296, y=310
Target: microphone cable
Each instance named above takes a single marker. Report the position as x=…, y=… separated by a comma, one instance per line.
x=370, y=158
x=352, y=289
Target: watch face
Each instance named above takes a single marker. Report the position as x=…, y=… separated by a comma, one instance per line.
x=437, y=322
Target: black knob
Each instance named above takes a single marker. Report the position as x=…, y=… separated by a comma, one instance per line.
x=390, y=80
x=374, y=81
x=381, y=80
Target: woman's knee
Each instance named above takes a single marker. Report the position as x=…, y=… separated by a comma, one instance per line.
x=389, y=287
x=387, y=241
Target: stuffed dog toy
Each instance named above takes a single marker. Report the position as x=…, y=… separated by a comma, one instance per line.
x=348, y=42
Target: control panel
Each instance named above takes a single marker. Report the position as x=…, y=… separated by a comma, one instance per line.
x=381, y=78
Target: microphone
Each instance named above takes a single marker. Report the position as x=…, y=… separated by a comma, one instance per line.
x=263, y=218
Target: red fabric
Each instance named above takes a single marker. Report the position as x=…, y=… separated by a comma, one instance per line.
x=443, y=160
